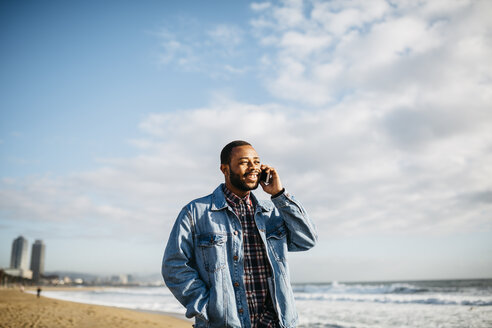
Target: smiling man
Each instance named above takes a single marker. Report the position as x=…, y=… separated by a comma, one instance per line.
x=226, y=258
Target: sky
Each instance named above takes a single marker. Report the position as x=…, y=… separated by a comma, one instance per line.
x=376, y=114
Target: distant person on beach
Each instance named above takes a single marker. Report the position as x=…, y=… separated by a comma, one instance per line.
x=39, y=292
x=226, y=257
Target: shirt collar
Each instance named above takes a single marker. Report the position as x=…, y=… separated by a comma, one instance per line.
x=235, y=199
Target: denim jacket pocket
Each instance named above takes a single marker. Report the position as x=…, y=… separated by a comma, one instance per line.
x=212, y=246
x=277, y=241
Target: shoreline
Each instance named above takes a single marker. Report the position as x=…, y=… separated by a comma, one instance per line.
x=33, y=289
x=22, y=309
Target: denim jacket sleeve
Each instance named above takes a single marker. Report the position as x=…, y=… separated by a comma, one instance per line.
x=302, y=233
x=178, y=270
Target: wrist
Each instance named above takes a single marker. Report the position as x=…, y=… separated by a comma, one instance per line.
x=278, y=193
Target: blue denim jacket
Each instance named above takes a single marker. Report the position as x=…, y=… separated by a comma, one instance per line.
x=204, y=258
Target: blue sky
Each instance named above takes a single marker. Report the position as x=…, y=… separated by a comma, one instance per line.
x=376, y=114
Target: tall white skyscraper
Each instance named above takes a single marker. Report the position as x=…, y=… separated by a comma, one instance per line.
x=18, y=259
x=37, y=259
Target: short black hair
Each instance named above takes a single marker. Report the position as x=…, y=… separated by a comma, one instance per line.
x=225, y=154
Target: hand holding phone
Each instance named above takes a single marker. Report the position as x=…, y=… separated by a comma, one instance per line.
x=270, y=180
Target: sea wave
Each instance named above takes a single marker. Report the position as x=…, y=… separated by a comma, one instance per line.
x=340, y=288
x=430, y=299
x=396, y=293
x=387, y=288
x=142, y=291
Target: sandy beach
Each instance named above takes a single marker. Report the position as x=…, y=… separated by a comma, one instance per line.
x=21, y=309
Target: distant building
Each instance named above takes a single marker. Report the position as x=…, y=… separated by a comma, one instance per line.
x=18, y=258
x=121, y=279
x=37, y=259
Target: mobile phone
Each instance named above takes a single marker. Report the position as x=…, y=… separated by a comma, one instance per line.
x=265, y=177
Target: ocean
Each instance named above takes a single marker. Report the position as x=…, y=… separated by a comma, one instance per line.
x=441, y=303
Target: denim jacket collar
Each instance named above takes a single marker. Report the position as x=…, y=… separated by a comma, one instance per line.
x=219, y=202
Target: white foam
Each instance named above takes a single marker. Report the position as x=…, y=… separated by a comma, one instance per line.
x=137, y=298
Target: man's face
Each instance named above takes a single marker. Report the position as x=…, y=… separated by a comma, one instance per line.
x=244, y=169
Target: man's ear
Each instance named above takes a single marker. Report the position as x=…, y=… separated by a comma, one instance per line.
x=225, y=169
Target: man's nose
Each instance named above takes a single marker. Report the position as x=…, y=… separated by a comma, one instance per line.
x=254, y=166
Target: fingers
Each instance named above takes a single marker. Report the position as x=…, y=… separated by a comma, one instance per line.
x=268, y=169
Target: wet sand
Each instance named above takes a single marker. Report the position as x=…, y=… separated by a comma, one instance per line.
x=20, y=309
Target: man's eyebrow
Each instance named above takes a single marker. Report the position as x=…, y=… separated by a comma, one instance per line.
x=244, y=157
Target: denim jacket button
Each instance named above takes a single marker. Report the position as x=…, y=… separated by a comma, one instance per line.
x=236, y=284
x=240, y=310
x=235, y=258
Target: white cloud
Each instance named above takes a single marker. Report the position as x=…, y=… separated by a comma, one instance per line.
x=259, y=6
x=192, y=47
x=226, y=34
x=337, y=48
x=349, y=170
x=338, y=17
x=297, y=44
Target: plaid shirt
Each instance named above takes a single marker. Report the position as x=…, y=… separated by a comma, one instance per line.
x=256, y=266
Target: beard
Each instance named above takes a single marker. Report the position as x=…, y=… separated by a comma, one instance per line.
x=240, y=184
